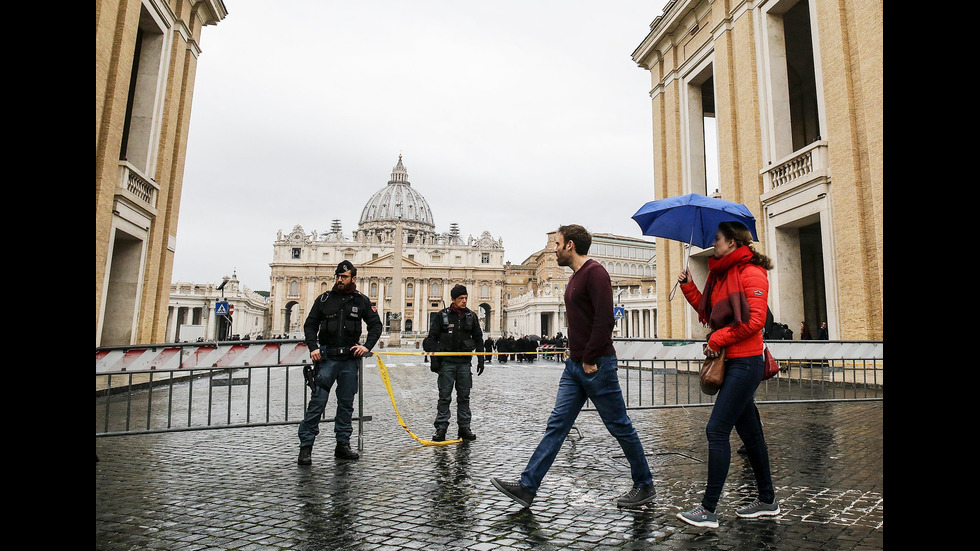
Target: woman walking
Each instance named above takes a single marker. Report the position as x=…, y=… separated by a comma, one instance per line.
x=733, y=305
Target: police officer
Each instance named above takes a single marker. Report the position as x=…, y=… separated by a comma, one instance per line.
x=458, y=330
x=333, y=331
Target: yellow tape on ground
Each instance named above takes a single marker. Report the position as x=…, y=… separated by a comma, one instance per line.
x=384, y=376
x=383, y=369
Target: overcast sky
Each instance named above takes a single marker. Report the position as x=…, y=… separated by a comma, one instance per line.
x=511, y=117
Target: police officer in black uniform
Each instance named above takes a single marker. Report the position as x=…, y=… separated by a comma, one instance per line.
x=457, y=329
x=333, y=331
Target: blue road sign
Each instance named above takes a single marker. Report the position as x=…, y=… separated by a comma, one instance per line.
x=619, y=313
x=221, y=308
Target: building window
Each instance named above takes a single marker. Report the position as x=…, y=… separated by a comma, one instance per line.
x=436, y=258
x=793, y=103
x=410, y=290
x=484, y=291
x=485, y=258
x=293, y=288
x=435, y=290
x=411, y=257
x=459, y=259
x=296, y=252
x=374, y=289
x=374, y=256
x=326, y=256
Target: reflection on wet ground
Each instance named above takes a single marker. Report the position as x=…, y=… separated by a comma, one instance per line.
x=242, y=489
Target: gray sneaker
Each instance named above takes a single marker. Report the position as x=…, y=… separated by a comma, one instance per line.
x=758, y=509
x=637, y=496
x=699, y=516
x=514, y=490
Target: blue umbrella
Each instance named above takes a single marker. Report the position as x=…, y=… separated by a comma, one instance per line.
x=691, y=218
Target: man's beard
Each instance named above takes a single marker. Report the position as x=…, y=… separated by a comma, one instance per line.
x=340, y=287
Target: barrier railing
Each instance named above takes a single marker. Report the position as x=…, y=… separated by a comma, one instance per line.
x=660, y=373
x=198, y=386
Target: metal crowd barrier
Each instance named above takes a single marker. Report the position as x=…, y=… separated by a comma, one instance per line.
x=193, y=386
x=663, y=373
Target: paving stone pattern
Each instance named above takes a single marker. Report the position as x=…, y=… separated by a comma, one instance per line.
x=242, y=489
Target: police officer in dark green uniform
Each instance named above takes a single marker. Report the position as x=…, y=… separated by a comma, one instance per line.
x=456, y=329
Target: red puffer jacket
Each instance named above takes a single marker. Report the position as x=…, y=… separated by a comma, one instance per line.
x=741, y=339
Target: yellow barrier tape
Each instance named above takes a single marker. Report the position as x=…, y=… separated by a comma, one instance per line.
x=383, y=369
x=384, y=376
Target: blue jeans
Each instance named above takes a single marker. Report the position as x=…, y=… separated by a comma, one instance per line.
x=459, y=375
x=344, y=373
x=602, y=387
x=735, y=407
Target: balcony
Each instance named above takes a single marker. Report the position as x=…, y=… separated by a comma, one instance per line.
x=139, y=191
x=803, y=167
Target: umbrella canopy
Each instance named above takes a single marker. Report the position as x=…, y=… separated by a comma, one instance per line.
x=691, y=218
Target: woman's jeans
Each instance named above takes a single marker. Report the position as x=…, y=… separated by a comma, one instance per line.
x=602, y=387
x=344, y=373
x=735, y=407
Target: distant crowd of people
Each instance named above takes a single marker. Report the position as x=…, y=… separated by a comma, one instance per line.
x=525, y=347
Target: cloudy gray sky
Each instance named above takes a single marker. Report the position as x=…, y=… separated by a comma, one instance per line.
x=512, y=117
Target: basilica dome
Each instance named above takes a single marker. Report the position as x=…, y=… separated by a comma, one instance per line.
x=397, y=198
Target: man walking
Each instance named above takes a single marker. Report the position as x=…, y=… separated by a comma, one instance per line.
x=333, y=331
x=590, y=373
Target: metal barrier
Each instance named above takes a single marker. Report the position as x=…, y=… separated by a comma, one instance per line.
x=193, y=386
x=663, y=373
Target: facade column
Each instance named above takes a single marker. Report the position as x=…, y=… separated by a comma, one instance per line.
x=423, y=292
x=172, y=329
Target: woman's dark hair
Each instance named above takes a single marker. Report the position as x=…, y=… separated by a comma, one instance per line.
x=738, y=232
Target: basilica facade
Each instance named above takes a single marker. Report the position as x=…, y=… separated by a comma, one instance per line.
x=396, y=226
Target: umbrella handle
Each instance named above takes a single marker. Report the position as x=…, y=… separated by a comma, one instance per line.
x=687, y=264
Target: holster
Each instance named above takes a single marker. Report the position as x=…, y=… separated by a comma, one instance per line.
x=309, y=373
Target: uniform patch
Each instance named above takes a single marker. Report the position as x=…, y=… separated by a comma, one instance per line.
x=757, y=292
x=353, y=309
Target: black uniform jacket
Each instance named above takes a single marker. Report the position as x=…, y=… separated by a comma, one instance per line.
x=335, y=320
x=457, y=335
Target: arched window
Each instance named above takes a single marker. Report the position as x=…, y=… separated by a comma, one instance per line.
x=485, y=291
x=410, y=290
x=435, y=290
x=293, y=287
x=374, y=289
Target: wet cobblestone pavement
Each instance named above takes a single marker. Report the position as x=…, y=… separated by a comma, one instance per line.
x=242, y=489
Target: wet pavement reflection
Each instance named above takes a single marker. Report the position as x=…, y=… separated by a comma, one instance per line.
x=241, y=488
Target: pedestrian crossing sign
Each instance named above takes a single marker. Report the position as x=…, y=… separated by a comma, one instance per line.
x=221, y=308
x=619, y=313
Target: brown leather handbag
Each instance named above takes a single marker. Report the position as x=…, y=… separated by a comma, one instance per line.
x=712, y=373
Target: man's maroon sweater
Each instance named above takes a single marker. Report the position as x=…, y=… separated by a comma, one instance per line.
x=589, y=311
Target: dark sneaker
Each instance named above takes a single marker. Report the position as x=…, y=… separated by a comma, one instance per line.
x=466, y=434
x=758, y=509
x=343, y=451
x=440, y=435
x=305, y=455
x=742, y=451
x=699, y=516
x=515, y=491
x=637, y=496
